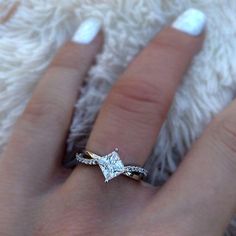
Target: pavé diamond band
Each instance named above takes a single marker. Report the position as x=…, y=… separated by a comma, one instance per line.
x=111, y=165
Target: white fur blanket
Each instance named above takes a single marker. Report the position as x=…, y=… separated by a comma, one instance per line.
x=37, y=28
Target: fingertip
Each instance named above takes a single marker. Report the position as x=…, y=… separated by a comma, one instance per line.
x=74, y=55
x=87, y=31
x=175, y=42
x=98, y=41
x=191, y=22
x=187, y=33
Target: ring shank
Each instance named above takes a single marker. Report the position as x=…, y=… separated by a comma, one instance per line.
x=92, y=159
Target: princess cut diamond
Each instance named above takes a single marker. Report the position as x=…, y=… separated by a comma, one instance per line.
x=111, y=165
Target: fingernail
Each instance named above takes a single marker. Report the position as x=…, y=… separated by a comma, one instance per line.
x=87, y=31
x=192, y=22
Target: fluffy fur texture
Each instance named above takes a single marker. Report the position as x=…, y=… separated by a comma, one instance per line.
x=30, y=38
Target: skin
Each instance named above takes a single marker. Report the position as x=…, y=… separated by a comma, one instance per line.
x=39, y=197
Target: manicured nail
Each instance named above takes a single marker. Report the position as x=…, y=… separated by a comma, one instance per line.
x=192, y=22
x=87, y=31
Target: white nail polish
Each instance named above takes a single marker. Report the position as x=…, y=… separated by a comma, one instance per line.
x=191, y=22
x=87, y=31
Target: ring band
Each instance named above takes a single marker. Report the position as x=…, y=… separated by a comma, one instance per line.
x=110, y=164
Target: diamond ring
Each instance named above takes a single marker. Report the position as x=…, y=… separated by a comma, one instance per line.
x=110, y=164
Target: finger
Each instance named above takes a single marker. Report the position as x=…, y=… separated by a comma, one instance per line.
x=201, y=196
x=136, y=107
x=40, y=134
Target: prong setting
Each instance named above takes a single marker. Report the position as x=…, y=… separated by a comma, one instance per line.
x=111, y=165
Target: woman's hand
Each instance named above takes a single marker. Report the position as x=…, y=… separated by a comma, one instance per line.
x=39, y=197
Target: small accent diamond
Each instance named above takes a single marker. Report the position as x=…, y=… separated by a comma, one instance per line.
x=111, y=165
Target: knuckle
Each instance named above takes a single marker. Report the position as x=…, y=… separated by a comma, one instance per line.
x=70, y=57
x=46, y=113
x=141, y=99
x=167, y=46
x=166, y=40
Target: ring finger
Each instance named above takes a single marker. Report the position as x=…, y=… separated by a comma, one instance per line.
x=137, y=105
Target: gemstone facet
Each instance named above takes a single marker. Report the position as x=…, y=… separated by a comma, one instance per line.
x=111, y=165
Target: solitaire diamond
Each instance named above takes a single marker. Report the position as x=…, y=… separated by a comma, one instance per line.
x=111, y=165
